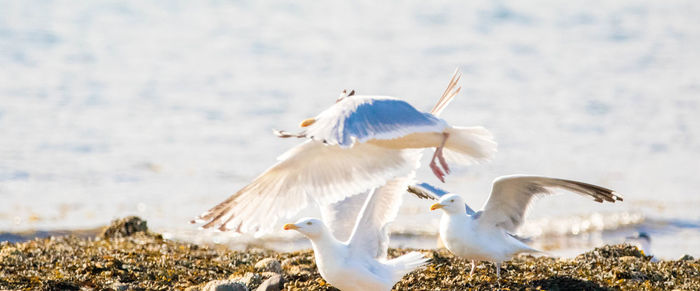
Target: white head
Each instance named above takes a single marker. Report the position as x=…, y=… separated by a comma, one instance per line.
x=309, y=227
x=450, y=203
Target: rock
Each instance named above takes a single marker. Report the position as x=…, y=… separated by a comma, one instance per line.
x=224, y=285
x=274, y=283
x=120, y=286
x=288, y=263
x=686, y=258
x=269, y=265
x=267, y=274
x=124, y=227
x=250, y=280
x=299, y=271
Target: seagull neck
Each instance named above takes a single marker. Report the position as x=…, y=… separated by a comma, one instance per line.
x=325, y=240
x=455, y=216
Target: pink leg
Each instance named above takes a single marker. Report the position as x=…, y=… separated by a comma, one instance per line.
x=472, y=271
x=436, y=171
x=438, y=155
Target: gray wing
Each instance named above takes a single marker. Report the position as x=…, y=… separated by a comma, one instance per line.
x=360, y=118
x=511, y=195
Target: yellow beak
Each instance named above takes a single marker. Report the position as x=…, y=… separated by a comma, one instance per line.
x=307, y=122
x=289, y=226
x=436, y=206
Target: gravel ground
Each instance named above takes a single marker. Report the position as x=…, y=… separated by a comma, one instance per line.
x=126, y=256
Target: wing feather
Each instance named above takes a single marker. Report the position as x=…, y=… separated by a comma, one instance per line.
x=361, y=118
x=511, y=195
x=311, y=172
x=370, y=235
x=340, y=217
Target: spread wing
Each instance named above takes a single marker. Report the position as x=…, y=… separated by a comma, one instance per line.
x=371, y=236
x=309, y=172
x=427, y=191
x=511, y=195
x=361, y=118
x=340, y=217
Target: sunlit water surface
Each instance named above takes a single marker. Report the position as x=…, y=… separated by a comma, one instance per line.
x=164, y=108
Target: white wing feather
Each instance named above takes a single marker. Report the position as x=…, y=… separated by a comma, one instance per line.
x=511, y=195
x=309, y=172
x=340, y=217
x=370, y=236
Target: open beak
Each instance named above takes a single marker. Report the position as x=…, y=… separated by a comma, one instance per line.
x=307, y=122
x=436, y=206
x=289, y=226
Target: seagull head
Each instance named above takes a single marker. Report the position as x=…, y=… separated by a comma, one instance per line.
x=450, y=203
x=309, y=227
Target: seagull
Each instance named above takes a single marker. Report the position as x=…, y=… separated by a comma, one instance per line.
x=487, y=234
x=360, y=263
x=358, y=144
x=392, y=123
x=643, y=242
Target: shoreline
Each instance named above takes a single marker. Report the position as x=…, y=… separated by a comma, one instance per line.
x=126, y=256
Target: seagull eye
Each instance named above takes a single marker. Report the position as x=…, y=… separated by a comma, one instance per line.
x=452, y=200
x=308, y=223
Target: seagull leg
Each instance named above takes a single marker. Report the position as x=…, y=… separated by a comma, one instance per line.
x=438, y=156
x=473, y=267
x=436, y=171
x=498, y=274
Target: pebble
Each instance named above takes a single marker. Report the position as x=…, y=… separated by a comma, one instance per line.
x=269, y=265
x=224, y=285
x=274, y=283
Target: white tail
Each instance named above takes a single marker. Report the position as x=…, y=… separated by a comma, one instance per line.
x=405, y=264
x=468, y=145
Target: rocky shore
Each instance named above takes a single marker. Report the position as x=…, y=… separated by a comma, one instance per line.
x=126, y=256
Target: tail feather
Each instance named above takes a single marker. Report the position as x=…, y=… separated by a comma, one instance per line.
x=468, y=145
x=448, y=95
x=407, y=263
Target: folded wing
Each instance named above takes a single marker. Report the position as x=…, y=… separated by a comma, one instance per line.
x=511, y=195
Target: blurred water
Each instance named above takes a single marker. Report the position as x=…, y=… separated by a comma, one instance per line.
x=164, y=108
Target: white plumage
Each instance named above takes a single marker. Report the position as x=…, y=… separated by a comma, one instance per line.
x=487, y=235
x=356, y=145
x=360, y=262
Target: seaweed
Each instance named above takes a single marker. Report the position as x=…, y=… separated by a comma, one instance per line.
x=126, y=256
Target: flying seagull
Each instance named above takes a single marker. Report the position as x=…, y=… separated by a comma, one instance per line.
x=392, y=123
x=361, y=151
x=360, y=263
x=487, y=234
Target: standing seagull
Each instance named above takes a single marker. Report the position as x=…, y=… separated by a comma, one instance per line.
x=358, y=144
x=360, y=262
x=487, y=235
